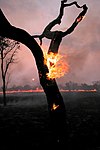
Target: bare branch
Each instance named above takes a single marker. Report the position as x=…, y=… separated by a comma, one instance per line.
x=9, y=61
x=73, y=3
x=47, y=31
x=10, y=48
x=77, y=20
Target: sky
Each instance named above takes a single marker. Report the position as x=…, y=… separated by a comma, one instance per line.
x=81, y=48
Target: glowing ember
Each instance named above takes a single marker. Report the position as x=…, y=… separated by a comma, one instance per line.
x=56, y=65
x=80, y=18
x=54, y=107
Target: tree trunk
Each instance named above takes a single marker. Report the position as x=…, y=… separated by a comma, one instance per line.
x=4, y=92
x=55, y=101
x=3, y=79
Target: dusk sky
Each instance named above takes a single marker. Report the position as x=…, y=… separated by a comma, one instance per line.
x=82, y=47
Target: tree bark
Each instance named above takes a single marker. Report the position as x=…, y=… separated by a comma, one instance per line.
x=3, y=79
x=4, y=92
x=57, y=114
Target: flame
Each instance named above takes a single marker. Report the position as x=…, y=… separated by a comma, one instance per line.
x=41, y=90
x=56, y=65
x=54, y=107
x=80, y=18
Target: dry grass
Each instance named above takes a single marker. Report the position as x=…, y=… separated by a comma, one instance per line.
x=25, y=122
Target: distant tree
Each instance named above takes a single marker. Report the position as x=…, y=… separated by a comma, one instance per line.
x=96, y=85
x=8, y=49
x=71, y=85
x=84, y=86
x=27, y=87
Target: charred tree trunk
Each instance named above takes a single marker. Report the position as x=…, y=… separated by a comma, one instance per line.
x=55, y=101
x=4, y=92
x=3, y=80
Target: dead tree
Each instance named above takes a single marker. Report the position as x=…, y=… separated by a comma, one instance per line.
x=50, y=87
x=56, y=36
x=47, y=31
x=8, y=51
x=56, y=105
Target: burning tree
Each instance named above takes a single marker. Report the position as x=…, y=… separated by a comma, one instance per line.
x=56, y=105
x=52, y=57
x=8, y=49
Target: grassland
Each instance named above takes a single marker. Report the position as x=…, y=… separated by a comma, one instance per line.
x=25, y=122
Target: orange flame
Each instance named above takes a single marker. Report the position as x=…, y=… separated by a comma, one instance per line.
x=54, y=107
x=80, y=18
x=56, y=65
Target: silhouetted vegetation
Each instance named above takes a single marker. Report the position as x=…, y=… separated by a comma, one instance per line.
x=8, y=50
x=82, y=86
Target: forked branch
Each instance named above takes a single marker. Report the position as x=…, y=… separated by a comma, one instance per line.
x=47, y=31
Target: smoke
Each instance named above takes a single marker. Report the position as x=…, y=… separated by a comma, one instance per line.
x=81, y=47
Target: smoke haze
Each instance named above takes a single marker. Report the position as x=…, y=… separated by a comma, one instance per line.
x=82, y=47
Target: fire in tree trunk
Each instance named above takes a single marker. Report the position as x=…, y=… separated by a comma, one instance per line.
x=49, y=85
x=55, y=101
x=56, y=105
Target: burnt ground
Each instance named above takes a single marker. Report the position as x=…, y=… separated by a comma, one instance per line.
x=25, y=122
